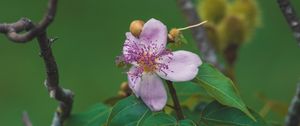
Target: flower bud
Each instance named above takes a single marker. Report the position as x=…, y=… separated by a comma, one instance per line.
x=174, y=32
x=136, y=27
x=249, y=10
x=212, y=10
x=124, y=86
x=233, y=30
x=124, y=90
x=122, y=94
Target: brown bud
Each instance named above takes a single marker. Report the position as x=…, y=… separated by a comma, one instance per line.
x=124, y=86
x=136, y=27
x=174, y=32
x=122, y=94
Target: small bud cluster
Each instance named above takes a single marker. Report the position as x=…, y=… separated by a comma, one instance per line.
x=174, y=32
x=230, y=22
x=124, y=90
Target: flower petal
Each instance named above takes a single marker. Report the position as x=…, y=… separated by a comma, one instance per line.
x=182, y=66
x=134, y=79
x=154, y=34
x=152, y=91
x=131, y=48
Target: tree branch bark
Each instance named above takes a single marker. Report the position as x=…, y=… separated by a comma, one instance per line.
x=13, y=32
x=293, y=116
x=26, y=120
x=199, y=34
x=288, y=11
x=291, y=17
x=64, y=96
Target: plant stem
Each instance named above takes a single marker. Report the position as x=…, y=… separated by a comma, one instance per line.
x=177, y=106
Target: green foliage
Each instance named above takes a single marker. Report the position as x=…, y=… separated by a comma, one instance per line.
x=128, y=111
x=192, y=115
x=216, y=114
x=95, y=116
x=158, y=119
x=186, y=122
x=188, y=89
x=190, y=94
x=133, y=112
x=220, y=87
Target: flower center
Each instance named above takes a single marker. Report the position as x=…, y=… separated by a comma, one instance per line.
x=148, y=58
x=147, y=62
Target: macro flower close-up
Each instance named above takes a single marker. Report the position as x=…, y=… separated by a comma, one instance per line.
x=151, y=61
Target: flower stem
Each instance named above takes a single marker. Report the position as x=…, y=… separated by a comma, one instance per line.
x=177, y=106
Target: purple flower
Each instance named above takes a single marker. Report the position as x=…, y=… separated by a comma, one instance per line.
x=152, y=61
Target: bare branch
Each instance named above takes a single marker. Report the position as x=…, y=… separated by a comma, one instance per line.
x=291, y=17
x=293, y=117
x=25, y=119
x=199, y=33
x=64, y=96
x=13, y=32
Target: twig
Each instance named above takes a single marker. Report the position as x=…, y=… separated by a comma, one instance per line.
x=199, y=33
x=33, y=30
x=64, y=96
x=293, y=116
x=13, y=32
x=177, y=106
x=25, y=119
x=170, y=106
x=291, y=17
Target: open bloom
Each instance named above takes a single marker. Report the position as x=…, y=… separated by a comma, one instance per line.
x=152, y=61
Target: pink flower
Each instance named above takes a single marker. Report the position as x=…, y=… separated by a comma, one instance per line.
x=152, y=61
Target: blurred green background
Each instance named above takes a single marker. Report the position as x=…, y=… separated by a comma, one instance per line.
x=91, y=34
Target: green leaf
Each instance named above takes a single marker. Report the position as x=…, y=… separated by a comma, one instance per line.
x=190, y=94
x=185, y=90
x=187, y=122
x=220, y=87
x=192, y=115
x=131, y=111
x=216, y=114
x=95, y=116
x=158, y=119
x=128, y=111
